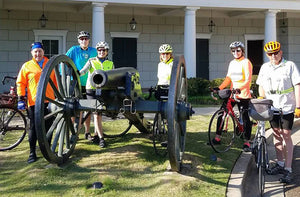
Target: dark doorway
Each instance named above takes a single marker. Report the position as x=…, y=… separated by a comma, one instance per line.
x=202, y=59
x=255, y=54
x=124, y=52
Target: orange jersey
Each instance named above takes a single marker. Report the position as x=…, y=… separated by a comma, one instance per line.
x=240, y=74
x=28, y=78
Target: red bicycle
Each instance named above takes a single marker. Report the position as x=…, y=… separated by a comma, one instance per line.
x=225, y=123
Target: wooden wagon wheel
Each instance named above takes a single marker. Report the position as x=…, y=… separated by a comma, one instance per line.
x=177, y=121
x=57, y=142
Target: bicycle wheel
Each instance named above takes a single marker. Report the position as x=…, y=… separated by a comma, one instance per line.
x=121, y=125
x=222, y=124
x=262, y=166
x=12, y=127
x=160, y=135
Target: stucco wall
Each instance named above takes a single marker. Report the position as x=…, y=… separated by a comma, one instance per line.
x=16, y=35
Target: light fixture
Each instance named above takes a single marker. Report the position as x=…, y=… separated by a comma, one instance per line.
x=132, y=23
x=43, y=19
x=283, y=24
x=211, y=24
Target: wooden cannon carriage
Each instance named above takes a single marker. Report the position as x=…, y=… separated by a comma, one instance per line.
x=120, y=93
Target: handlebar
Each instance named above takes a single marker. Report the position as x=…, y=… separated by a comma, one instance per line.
x=8, y=77
x=234, y=92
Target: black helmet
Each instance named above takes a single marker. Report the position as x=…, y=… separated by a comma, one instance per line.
x=83, y=34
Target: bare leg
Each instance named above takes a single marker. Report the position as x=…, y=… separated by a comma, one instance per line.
x=278, y=143
x=289, y=148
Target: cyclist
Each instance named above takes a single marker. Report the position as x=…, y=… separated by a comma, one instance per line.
x=279, y=80
x=239, y=76
x=165, y=65
x=80, y=55
x=100, y=62
x=27, y=81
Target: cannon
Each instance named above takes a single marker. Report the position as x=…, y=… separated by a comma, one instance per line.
x=120, y=93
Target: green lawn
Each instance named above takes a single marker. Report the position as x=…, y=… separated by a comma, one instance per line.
x=127, y=167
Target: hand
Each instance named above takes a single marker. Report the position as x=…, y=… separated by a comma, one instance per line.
x=297, y=113
x=216, y=90
x=21, y=105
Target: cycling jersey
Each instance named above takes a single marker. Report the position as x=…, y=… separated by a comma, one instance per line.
x=95, y=64
x=240, y=74
x=80, y=57
x=164, y=72
x=28, y=78
x=278, y=82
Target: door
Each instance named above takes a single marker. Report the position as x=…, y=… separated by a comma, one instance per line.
x=255, y=54
x=124, y=52
x=202, y=59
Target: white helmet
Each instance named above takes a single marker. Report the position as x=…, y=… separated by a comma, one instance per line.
x=165, y=48
x=83, y=34
x=237, y=44
x=102, y=44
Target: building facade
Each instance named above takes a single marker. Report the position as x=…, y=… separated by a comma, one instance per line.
x=200, y=30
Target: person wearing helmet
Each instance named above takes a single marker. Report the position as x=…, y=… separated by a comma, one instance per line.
x=100, y=62
x=27, y=83
x=165, y=65
x=279, y=81
x=239, y=77
x=80, y=55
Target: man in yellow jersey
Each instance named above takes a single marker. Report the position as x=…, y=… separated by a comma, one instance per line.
x=239, y=77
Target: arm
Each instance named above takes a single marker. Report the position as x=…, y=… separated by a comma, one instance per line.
x=86, y=68
x=261, y=92
x=21, y=82
x=225, y=83
x=297, y=94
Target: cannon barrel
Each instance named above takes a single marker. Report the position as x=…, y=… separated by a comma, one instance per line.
x=111, y=79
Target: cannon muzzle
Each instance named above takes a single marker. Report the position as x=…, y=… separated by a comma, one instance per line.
x=112, y=78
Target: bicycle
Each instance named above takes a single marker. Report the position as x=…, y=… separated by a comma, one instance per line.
x=262, y=110
x=159, y=128
x=225, y=122
x=13, y=123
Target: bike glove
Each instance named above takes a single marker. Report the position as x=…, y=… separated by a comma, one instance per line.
x=260, y=97
x=297, y=113
x=21, y=105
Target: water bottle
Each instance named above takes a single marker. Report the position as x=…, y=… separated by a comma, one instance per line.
x=12, y=90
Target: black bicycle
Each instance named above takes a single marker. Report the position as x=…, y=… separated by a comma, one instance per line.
x=13, y=122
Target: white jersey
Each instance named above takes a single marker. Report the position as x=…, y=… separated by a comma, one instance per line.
x=164, y=72
x=278, y=82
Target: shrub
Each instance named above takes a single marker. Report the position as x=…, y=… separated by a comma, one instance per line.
x=198, y=86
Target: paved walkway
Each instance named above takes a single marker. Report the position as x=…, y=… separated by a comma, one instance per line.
x=243, y=178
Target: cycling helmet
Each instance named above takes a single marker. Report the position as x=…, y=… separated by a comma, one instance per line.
x=165, y=48
x=102, y=44
x=83, y=34
x=237, y=44
x=272, y=47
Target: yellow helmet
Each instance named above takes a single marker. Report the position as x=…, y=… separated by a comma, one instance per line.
x=272, y=47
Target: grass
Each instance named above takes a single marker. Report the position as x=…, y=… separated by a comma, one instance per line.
x=127, y=167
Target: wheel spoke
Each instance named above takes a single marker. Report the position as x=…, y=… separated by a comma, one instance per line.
x=59, y=82
x=49, y=133
x=61, y=140
x=55, y=90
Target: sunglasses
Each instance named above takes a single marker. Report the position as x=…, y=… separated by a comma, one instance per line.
x=236, y=50
x=103, y=50
x=84, y=38
x=270, y=54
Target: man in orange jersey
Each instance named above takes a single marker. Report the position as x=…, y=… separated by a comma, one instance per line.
x=27, y=83
x=239, y=77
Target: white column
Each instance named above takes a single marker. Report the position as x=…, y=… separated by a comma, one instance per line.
x=98, y=29
x=270, y=28
x=190, y=40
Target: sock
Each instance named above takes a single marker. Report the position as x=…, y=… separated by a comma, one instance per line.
x=288, y=169
x=281, y=163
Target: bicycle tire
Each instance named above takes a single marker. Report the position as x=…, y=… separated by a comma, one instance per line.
x=262, y=166
x=227, y=134
x=13, y=126
x=160, y=135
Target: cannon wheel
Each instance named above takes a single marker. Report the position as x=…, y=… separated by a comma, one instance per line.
x=58, y=142
x=176, y=127
x=119, y=131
